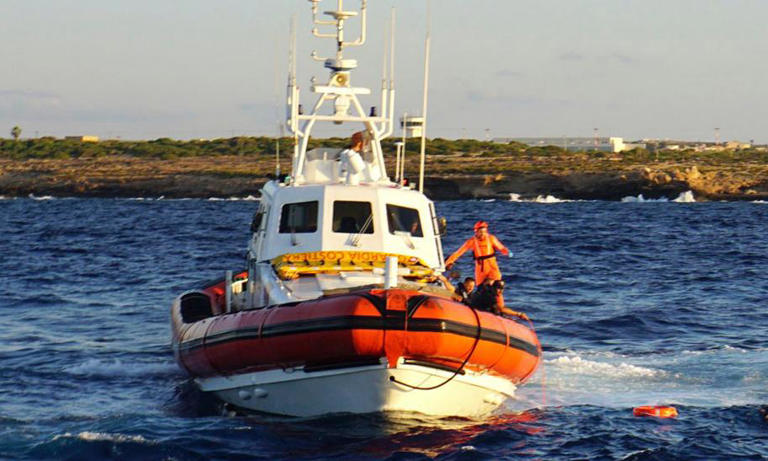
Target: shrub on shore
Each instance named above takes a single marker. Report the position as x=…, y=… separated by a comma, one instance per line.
x=489, y=155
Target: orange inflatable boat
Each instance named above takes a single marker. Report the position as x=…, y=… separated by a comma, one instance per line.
x=385, y=329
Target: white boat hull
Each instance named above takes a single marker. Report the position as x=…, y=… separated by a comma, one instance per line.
x=365, y=389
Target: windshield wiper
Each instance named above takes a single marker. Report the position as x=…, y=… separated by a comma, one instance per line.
x=366, y=225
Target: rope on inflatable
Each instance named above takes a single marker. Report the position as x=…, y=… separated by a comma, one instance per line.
x=458, y=370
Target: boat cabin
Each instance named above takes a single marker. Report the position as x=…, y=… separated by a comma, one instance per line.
x=338, y=217
x=313, y=239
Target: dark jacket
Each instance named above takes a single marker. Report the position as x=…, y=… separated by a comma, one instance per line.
x=461, y=291
x=484, y=298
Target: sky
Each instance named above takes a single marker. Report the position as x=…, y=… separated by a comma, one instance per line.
x=145, y=69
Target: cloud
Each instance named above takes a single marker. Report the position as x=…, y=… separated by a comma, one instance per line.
x=507, y=73
x=259, y=107
x=500, y=97
x=613, y=57
x=24, y=102
x=622, y=58
x=571, y=56
x=46, y=106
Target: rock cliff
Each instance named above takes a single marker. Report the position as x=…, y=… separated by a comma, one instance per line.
x=234, y=176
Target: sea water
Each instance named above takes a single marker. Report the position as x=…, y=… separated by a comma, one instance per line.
x=635, y=303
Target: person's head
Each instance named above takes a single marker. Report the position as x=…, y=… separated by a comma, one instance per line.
x=415, y=226
x=358, y=141
x=469, y=284
x=481, y=229
x=498, y=285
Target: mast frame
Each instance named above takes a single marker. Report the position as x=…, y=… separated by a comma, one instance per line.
x=339, y=92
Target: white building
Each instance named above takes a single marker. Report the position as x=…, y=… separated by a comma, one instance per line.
x=612, y=144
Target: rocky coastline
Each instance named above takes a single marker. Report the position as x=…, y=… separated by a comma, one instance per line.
x=608, y=185
x=239, y=177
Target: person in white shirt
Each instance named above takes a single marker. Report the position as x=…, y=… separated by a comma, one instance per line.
x=352, y=162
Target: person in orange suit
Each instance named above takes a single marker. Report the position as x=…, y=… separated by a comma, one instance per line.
x=483, y=246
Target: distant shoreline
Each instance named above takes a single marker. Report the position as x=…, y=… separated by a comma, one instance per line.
x=241, y=176
x=455, y=169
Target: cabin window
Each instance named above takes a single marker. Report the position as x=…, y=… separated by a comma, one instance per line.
x=352, y=217
x=256, y=222
x=298, y=218
x=402, y=219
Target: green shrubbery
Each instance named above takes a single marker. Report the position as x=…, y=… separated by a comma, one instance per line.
x=48, y=147
x=166, y=148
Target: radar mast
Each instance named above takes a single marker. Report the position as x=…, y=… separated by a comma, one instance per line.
x=337, y=100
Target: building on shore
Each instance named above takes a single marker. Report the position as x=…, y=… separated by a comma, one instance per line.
x=616, y=144
x=697, y=146
x=414, y=125
x=83, y=138
x=601, y=144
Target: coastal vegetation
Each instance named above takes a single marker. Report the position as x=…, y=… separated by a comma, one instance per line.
x=199, y=167
x=491, y=154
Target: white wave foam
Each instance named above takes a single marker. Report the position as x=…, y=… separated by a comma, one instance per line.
x=44, y=197
x=116, y=368
x=539, y=199
x=249, y=198
x=616, y=371
x=548, y=199
x=725, y=348
x=685, y=197
x=103, y=436
x=603, y=355
x=154, y=199
x=641, y=199
x=146, y=199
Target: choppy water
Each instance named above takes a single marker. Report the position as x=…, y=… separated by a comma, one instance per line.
x=635, y=303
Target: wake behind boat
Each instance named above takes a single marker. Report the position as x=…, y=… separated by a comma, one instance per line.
x=341, y=308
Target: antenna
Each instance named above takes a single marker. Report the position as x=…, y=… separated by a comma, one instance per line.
x=292, y=51
x=278, y=101
x=385, y=77
x=401, y=171
x=388, y=106
x=338, y=64
x=292, y=120
x=392, y=51
x=277, y=150
x=427, y=42
x=385, y=57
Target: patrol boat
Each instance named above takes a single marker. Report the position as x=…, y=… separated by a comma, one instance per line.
x=339, y=308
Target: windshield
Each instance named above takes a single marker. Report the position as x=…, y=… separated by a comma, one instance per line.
x=403, y=219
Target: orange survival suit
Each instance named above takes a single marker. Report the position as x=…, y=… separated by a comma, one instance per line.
x=483, y=246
